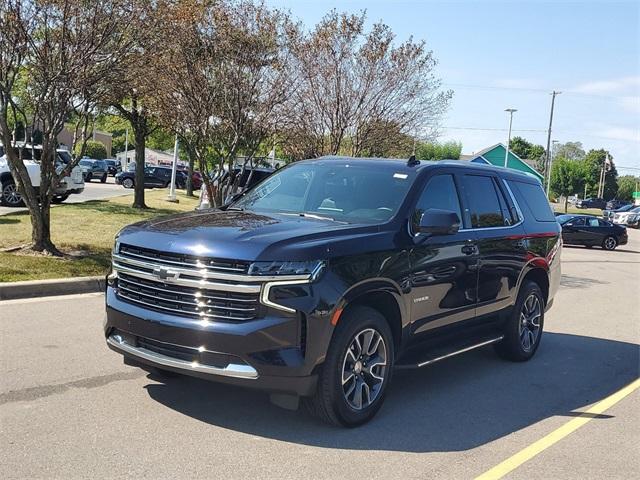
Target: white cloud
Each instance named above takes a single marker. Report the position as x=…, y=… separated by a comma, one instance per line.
x=621, y=133
x=631, y=104
x=617, y=86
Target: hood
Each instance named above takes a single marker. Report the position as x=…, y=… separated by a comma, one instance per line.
x=255, y=236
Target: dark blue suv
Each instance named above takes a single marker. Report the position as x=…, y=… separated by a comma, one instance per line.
x=321, y=280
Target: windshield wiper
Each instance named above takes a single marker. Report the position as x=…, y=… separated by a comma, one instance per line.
x=235, y=209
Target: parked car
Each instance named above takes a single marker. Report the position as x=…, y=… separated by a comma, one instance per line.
x=615, y=204
x=154, y=177
x=94, y=169
x=591, y=231
x=630, y=218
x=69, y=185
x=610, y=214
x=113, y=166
x=326, y=276
x=591, y=203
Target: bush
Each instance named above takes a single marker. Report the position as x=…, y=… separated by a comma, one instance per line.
x=93, y=149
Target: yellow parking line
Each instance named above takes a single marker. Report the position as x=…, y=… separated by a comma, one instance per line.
x=534, y=449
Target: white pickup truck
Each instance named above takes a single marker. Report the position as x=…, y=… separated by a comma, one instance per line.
x=9, y=195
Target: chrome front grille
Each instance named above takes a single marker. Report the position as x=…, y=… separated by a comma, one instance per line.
x=192, y=286
x=188, y=301
x=183, y=261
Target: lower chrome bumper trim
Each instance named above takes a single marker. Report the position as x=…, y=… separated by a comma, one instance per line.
x=231, y=370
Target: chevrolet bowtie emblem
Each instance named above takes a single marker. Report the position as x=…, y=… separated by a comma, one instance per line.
x=164, y=273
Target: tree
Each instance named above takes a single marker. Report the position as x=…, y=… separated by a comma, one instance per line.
x=352, y=80
x=627, y=184
x=135, y=82
x=570, y=151
x=225, y=79
x=92, y=149
x=439, y=151
x=567, y=178
x=527, y=150
x=56, y=57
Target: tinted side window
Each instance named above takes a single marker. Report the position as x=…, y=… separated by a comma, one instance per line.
x=578, y=222
x=536, y=200
x=484, y=203
x=440, y=192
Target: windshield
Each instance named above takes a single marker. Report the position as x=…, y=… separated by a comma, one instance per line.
x=86, y=162
x=562, y=219
x=347, y=192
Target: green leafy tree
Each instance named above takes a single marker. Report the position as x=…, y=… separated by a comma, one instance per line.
x=92, y=149
x=438, y=151
x=569, y=150
x=567, y=178
x=627, y=184
x=530, y=151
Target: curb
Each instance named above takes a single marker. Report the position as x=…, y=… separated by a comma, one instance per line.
x=53, y=287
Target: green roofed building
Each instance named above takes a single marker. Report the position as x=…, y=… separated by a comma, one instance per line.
x=494, y=155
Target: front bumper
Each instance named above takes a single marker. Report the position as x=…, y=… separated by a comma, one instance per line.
x=266, y=353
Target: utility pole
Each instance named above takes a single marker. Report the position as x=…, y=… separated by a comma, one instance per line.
x=548, y=154
x=510, y=111
x=126, y=149
x=172, y=189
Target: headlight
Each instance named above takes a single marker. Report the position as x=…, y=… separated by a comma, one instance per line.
x=286, y=268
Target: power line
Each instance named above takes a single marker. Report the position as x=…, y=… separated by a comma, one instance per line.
x=539, y=90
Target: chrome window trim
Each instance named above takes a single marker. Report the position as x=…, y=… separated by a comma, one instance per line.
x=232, y=370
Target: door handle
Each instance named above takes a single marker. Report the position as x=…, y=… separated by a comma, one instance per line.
x=469, y=249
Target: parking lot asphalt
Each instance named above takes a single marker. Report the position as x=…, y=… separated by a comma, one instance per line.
x=69, y=408
x=93, y=190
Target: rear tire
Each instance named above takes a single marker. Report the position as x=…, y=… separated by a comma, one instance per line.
x=127, y=183
x=346, y=382
x=523, y=329
x=87, y=178
x=610, y=243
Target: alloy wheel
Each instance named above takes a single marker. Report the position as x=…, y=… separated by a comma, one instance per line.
x=364, y=368
x=529, y=325
x=11, y=194
x=610, y=243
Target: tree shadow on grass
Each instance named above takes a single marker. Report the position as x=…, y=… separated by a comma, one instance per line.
x=7, y=221
x=455, y=405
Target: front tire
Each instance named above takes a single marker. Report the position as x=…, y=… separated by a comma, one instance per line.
x=127, y=183
x=104, y=178
x=10, y=196
x=523, y=330
x=357, y=370
x=610, y=243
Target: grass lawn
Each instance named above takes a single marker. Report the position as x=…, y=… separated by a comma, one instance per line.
x=578, y=211
x=87, y=228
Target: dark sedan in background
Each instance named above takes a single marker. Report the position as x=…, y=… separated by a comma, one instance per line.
x=591, y=231
x=154, y=177
x=592, y=203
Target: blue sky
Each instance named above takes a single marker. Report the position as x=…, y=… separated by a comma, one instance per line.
x=496, y=55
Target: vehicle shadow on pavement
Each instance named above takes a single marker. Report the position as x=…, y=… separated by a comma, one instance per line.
x=455, y=405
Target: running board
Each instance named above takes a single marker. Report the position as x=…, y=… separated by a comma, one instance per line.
x=439, y=355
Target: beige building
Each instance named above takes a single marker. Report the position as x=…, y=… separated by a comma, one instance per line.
x=66, y=139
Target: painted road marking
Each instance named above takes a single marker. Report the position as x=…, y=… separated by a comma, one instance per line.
x=571, y=426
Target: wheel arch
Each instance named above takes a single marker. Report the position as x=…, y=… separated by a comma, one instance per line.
x=540, y=276
x=383, y=296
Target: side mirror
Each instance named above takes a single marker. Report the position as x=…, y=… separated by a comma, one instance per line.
x=439, y=222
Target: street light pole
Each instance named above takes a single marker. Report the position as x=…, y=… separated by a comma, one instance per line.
x=548, y=153
x=506, y=153
x=172, y=189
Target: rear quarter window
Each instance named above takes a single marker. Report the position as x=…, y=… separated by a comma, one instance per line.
x=535, y=199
